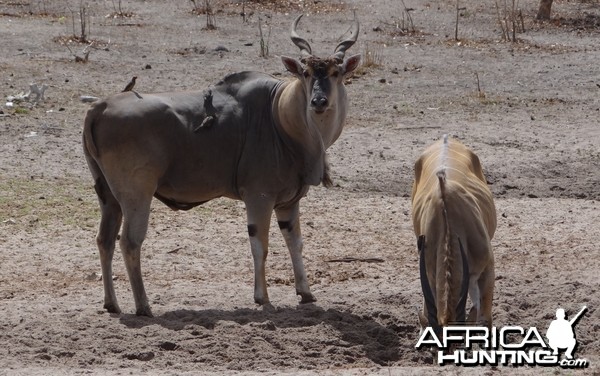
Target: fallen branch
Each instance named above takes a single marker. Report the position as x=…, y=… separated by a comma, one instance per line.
x=86, y=53
x=421, y=127
x=356, y=259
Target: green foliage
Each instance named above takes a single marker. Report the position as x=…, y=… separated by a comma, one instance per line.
x=37, y=202
x=21, y=111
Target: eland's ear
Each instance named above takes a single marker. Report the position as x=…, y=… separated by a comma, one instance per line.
x=292, y=65
x=350, y=64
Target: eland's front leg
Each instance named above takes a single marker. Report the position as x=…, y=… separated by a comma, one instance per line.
x=289, y=223
x=259, y=219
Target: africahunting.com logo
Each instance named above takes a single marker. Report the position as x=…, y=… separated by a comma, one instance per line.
x=509, y=345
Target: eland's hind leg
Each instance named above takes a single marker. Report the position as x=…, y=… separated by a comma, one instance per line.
x=136, y=211
x=289, y=223
x=486, y=286
x=106, y=239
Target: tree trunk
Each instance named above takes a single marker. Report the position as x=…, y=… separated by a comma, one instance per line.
x=544, y=10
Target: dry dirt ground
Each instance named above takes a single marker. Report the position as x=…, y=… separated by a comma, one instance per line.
x=533, y=120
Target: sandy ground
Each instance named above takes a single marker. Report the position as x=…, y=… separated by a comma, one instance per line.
x=533, y=122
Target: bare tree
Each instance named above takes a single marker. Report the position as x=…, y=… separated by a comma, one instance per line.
x=510, y=19
x=458, y=9
x=264, y=45
x=210, y=16
x=84, y=22
x=408, y=16
x=544, y=10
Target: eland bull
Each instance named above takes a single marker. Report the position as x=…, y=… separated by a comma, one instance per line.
x=454, y=219
x=251, y=137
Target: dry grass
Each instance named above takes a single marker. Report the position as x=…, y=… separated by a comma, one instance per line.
x=34, y=202
x=372, y=58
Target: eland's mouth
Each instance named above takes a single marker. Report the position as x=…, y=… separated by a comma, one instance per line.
x=321, y=109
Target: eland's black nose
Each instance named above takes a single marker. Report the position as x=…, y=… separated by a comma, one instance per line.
x=319, y=102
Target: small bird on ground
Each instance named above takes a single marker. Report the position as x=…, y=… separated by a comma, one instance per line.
x=130, y=85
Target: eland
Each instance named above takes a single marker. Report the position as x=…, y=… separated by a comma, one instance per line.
x=251, y=137
x=454, y=219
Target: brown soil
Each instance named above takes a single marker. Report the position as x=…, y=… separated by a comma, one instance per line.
x=533, y=120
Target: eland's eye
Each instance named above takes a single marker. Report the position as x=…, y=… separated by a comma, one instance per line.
x=306, y=74
x=335, y=74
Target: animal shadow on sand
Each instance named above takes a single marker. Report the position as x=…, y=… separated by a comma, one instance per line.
x=380, y=343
